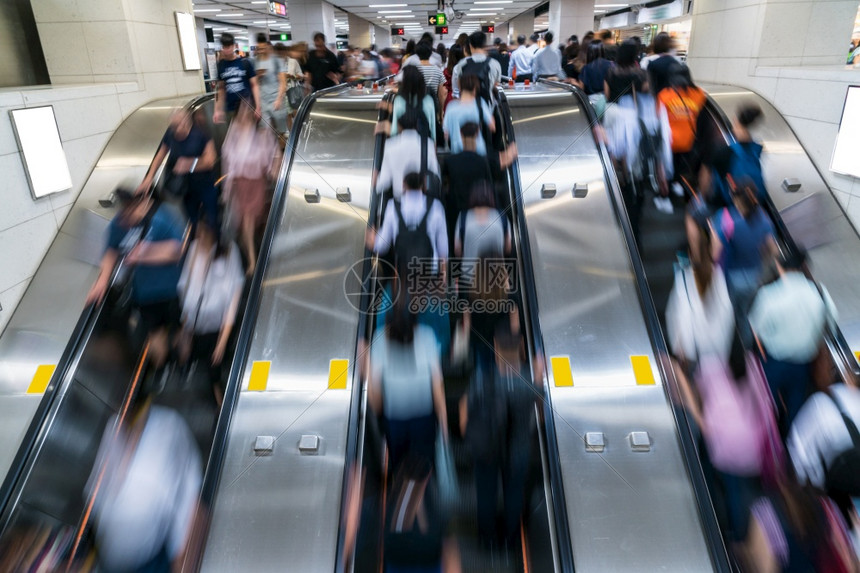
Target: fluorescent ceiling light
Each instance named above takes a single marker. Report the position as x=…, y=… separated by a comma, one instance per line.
x=260, y=2
x=231, y=15
x=262, y=22
x=198, y=10
x=403, y=16
x=395, y=11
x=387, y=5
x=611, y=5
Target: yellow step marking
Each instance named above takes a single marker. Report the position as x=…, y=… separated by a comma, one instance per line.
x=41, y=378
x=642, y=370
x=857, y=355
x=561, y=372
x=259, y=375
x=337, y=374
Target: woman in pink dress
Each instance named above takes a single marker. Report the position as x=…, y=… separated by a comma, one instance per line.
x=250, y=158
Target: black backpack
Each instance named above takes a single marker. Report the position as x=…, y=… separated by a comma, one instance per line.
x=843, y=475
x=423, y=127
x=482, y=71
x=412, y=243
x=487, y=425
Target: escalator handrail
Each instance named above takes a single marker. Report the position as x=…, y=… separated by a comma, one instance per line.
x=532, y=322
x=839, y=347
x=365, y=328
x=60, y=380
x=215, y=462
x=715, y=543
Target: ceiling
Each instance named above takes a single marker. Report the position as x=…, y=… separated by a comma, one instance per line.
x=234, y=17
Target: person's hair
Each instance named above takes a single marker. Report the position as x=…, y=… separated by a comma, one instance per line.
x=503, y=48
x=319, y=36
x=497, y=41
x=534, y=37
x=571, y=51
x=412, y=85
x=738, y=358
x=482, y=195
x=662, y=43
x=470, y=83
x=605, y=34
x=262, y=38
x=521, y=39
x=637, y=39
x=627, y=54
x=469, y=130
x=400, y=322
x=679, y=75
x=748, y=114
x=423, y=50
x=587, y=37
x=595, y=51
x=227, y=39
x=409, y=119
x=455, y=54
x=573, y=38
x=548, y=37
x=442, y=50
x=463, y=39
x=427, y=37
x=412, y=181
x=793, y=260
x=410, y=48
x=702, y=262
x=477, y=40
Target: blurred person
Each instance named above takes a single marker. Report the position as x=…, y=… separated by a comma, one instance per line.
x=321, y=69
x=683, y=101
x=482, y=227
x=745, y=238
x=479, y=64
x=659, y=66
x=465, y=169
x=272, y=82
x=405, y=386
x=547, y=61
x=854, y=54
x=190, y=170
x=593, y=76
x=412, y=96
x=408, y=52
x=582, y=58
x=741, y=159
x=463, y=42
x=295, y=80
x=148, y=236
x=455, y=54
x=610, y=48
x=403, y=155
x=237, y=82
x=470, y=107
x=414, y=57
x=571, y=71
x=520, y=65
x=788, y=318
x=700, y=320
x=443, y=53
x=210, y=289
x=824, y=444
x=146, y=482
x=250, y=159
x=434, y=78
x=534, y=43
x=369, y=68
x=497, y=420
x=389, y=62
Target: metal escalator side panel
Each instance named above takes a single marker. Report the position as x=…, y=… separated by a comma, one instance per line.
x=627, y=510
x=785, y=157
x=282, y=510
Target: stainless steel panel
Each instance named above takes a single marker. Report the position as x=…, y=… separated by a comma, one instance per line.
x=833, y=263
x=628, y=511
x=281, y=511
x=40, y=328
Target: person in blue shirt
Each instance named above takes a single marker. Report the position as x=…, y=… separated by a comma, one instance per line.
x=148, y=237
x=465, y=110
x=237, y=82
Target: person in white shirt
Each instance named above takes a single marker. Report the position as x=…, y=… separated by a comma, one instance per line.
x=477, y=41
x=547, y=62
x=788, y=318
x=435, y=58
x=413, y=206
x=402, y=156
x=521, y=61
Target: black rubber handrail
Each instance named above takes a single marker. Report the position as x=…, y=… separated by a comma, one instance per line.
x=60, y=380
x=841, y=352
x=532, y=322
x=212, y=475
x=714, y=538
x=355, y=427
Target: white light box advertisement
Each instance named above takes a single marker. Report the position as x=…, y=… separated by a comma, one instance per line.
x=188, y=41
x=44, y=159
x=846, y=152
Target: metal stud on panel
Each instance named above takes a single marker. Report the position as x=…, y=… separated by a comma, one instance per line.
x=640, y=441
x=312, y=195
x=264, y=445
x=594, y=442
x=309, y=444
x=344, y=195
x=548, y=190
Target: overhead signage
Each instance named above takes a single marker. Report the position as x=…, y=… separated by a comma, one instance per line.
x=491, y=29
x=663, y=12
x=844, y=160
x=616, y=21
x=398, y=32
x=438, y=19
x=280, y=37
x=277, y=8
x=442, y=30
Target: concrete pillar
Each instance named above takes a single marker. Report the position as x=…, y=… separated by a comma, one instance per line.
x=359, y=31
x=522, y=24
x=503, y=32
x=115, y=41
x=307, y=17
x=568, y=17
x=382, y=37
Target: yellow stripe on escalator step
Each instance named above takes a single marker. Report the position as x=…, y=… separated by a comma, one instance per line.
x=259, y=375
x=562, y=375
x=337, y=374
x=642, y=371
x=41, y=378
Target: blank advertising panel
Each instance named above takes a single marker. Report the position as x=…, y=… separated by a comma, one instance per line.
x=44, y=158
x=188, y=41
x=846, y=152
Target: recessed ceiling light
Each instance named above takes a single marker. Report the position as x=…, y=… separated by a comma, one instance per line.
x=231, y=15
x=395, y=11
x=199, y=10
x=387, y=5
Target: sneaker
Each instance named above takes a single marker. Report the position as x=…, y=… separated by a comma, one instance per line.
x=677, y=189
x=664, y=205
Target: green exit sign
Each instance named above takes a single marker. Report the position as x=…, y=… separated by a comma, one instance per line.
x=438, y=19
